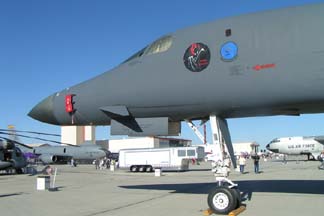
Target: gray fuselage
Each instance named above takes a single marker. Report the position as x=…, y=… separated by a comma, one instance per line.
x=278, y=70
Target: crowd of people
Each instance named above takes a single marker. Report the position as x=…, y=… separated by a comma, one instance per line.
x=103, y=163
x=256, y=162
x=242, y=159
x=100, y=163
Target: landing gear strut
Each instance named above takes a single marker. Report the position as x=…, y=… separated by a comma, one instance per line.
x=225, y=197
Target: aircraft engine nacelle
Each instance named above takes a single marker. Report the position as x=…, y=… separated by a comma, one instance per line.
x=150, y=127
x=57, y=159
x=46, y=158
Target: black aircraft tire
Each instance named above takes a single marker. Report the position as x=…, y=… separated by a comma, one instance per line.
x=222, y=200
x=237, y=195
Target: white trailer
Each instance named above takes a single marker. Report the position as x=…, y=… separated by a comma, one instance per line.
x=146, y=160
x=196, y=152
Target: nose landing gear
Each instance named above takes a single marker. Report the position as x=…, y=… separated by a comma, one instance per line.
x=225, y=197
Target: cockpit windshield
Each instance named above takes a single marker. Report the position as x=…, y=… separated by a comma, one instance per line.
x=160, y=45
x=275, y=140
x=106, y=151
x=136, y=55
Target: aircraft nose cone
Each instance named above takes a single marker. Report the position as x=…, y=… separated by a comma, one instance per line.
x=272, y=148
x=44, y=111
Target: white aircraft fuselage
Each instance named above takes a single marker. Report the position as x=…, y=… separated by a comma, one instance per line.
x=312, y=146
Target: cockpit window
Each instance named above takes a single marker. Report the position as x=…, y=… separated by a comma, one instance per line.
x=161, y=45
x=275, y=140
x=136, y=55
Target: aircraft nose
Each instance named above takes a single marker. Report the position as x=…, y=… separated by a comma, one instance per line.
x=44, y=111
x=272, y=148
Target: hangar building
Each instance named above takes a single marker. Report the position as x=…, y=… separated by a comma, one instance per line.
x=79, y=134
x=245, y=147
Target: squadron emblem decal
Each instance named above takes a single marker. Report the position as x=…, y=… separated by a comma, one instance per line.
x=196, y=57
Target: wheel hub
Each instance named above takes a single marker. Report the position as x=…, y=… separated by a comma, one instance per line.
x=220, y=201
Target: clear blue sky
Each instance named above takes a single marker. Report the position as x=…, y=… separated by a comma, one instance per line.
x=46, y=46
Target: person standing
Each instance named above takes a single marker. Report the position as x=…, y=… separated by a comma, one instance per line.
x=321, y=157
x=72, y=162
x=256, y=159
x=97, y=163
x=284, y=159
x=242, y=162
x=101, y=164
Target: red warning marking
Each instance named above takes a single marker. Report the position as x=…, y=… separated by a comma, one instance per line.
x=69, y=103
x=264, y=66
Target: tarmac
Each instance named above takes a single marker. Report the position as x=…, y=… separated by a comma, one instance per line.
x=295, y=188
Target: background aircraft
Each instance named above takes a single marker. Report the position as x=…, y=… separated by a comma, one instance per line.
x=11, y=156
x=63, y=154
x=312, y=146
x=260, y=64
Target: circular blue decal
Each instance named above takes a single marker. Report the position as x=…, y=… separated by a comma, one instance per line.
x=229, y=51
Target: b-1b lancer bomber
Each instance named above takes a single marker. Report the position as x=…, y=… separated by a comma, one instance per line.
x=260, y=64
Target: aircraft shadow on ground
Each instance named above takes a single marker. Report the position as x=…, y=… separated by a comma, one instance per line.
x=247, y=187
x=183, y=171
x=12, y=194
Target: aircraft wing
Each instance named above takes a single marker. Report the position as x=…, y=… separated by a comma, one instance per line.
x=121, y=115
